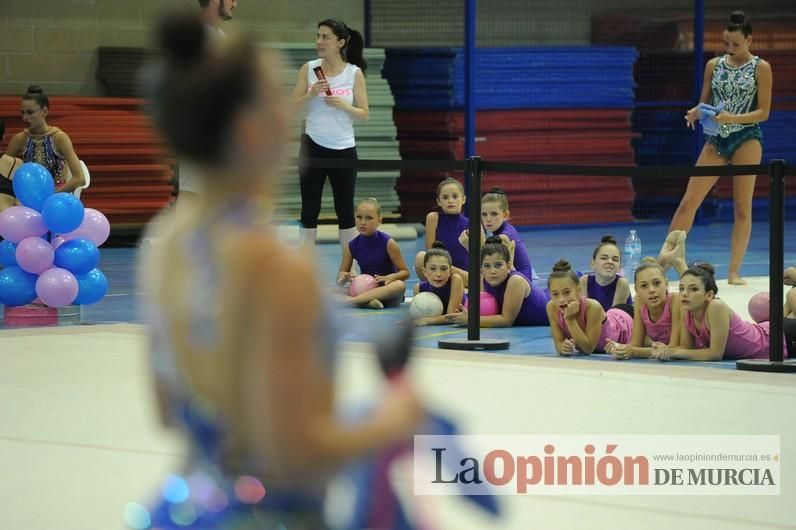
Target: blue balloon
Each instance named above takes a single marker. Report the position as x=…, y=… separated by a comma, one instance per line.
x=93, y=286
x=78, y=256
x=62, y=213
x=8, y=253
x=17, y=287
x=32, y=185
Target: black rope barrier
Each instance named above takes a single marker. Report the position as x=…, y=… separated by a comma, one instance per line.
x=474, y=167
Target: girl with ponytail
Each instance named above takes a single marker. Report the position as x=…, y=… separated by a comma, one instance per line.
x=332, y=90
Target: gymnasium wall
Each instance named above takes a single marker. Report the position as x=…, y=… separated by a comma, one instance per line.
x=522, y=22
x=54, y=42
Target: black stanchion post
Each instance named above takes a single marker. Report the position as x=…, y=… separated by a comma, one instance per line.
x=474, y=341
x=474, y=249
x=775, y=363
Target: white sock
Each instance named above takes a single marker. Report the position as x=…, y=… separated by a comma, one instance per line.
x=307, y=236
x=347, y=234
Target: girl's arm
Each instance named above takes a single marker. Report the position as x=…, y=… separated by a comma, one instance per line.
x=718, y=320
x=64, y=145
x=584, y=284
x=677, y=321
x=517, y=289
x=432, y=220
x=586, y=339
x=760, y=114
x=16, y=145
x=564, y=346
x=359, y=111
x=302, y=93
x=344, y=273
x=394, y=251
x=636, y=347
x=692, y=115
x=622, y=292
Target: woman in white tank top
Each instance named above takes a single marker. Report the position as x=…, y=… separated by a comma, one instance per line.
x=333, y=93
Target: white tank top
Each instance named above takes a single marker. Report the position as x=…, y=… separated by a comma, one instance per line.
x=327, y=126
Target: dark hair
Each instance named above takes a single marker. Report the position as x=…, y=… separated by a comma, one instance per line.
x=739, y=22
x=496, y=194
x=437, y=249
x=204, y=3
x=354, y=43
x=648, y=263
x=448, y=181
x=705, y=272
x=606, y=240
x=562, y=269
x=200, y=86
x=495, y=245
x=35, y=93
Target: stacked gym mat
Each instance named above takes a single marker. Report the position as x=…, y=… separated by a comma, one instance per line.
x=564, y=105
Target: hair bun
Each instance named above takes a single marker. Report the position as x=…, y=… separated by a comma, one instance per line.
x=496, y=189
x=737, y=17
x=440, y=245
x=608, y=239
x=493, y=240
x=35, y=89
x=649, y=260
x=183, y=37
x=562, y=265
x=707, y=267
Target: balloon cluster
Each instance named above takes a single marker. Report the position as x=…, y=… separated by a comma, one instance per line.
x=58, y=269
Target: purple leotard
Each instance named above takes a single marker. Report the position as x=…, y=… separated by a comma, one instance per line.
x=443, y=292
x=533, y=311
x=604, y=293
x=371, y=254
x=522, y=263
x=449, y=228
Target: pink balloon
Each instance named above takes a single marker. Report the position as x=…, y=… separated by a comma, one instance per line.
x=57, y=287
x=20, y=222
x=57, y=242
x=34, y=255
x=95, y=227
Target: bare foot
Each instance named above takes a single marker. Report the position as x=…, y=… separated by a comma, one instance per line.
x=677, y=259
x=669, y=248
x=375, y=304
x=735, y=279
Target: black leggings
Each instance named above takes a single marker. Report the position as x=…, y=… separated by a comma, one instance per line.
x=312, y=180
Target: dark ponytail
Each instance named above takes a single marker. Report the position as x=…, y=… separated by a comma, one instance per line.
x=606, y=240
x=354, y=46
x=739, y=22
x=35, y=93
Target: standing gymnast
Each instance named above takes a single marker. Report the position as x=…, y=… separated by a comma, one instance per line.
x=240, y=338
x=605, y=285
x=579, y=323
x=446, y=225
x=376, y=254
x=46, y=145
x=332, y=88
x=742, y=82
x=520, y=302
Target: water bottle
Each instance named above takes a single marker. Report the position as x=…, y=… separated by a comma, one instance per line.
x=632, y=254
